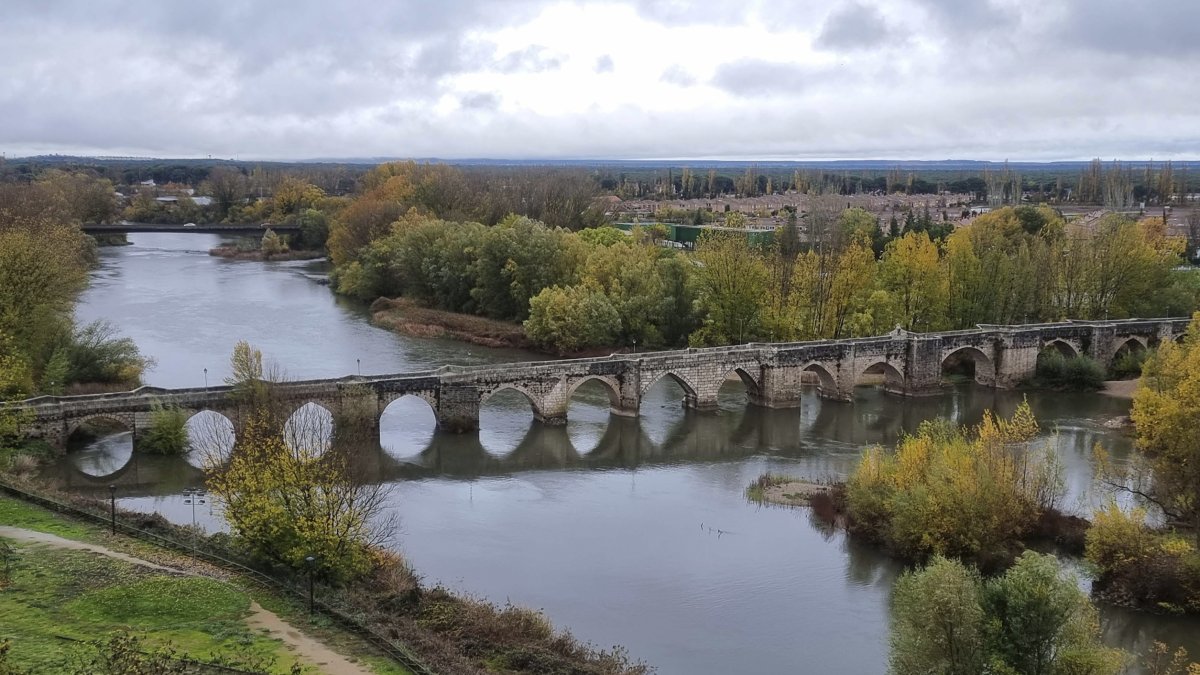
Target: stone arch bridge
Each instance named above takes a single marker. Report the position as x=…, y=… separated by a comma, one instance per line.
x=910, y=364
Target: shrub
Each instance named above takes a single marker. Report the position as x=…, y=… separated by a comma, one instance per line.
x=956, y=492
x=1030, y=620
x=1078, y=373
x=1128, y=365
x=167, y=434
x=1141, y=567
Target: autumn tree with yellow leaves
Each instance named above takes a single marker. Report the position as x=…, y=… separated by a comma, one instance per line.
x=957, y=492
x=288, y=490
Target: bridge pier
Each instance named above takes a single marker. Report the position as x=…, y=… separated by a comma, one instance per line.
x=923, y=370
x=458, y=408
x=780, y=387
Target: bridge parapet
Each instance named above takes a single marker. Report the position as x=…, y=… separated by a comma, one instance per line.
x=773, y=375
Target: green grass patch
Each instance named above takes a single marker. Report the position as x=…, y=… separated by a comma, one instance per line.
x=19, y=514
x=163, y=601
x=55, y=598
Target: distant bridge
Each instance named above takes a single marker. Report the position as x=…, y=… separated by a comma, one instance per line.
x=911, y=364
x=210, y=228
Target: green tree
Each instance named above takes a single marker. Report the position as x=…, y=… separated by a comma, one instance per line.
x=1041, y=623
x=167, y=434
x=1033, y=620
x=733, y=286
x=937, y=621
x=571, y=318
x=1166, y=414
x=911, y=272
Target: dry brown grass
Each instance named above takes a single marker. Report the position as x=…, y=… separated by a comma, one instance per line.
x=405, y=316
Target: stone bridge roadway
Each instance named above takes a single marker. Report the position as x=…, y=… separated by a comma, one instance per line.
x=910, y=364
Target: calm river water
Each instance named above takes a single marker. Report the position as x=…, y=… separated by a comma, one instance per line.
x=626, y=532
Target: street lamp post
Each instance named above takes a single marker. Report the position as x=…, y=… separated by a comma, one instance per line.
x=112, y=507
x=310, y=561
x=194, y=496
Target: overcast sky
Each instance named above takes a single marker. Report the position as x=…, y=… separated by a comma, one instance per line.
x=729, y=79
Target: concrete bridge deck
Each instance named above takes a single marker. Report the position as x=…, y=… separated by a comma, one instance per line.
x=911, y=364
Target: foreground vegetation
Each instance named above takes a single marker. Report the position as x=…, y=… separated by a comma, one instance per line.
x=69, y=611
x=1030, y=620
x=289, y=492
x=1148, y=555
x=974, y=494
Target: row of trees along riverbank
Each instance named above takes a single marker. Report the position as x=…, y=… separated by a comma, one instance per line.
x=601, y=287
x=44, y=263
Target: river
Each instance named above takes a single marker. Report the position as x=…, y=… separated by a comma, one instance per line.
x=626, y=532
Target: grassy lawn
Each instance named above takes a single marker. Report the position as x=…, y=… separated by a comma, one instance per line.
x=20, y=514
x=55, y=598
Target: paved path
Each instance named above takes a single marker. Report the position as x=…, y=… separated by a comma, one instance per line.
x=310, y=650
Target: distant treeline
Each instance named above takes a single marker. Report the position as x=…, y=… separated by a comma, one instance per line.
x=1114, y=184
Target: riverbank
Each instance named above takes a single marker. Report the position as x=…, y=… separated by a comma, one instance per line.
x=448, y=632
x=404, y=316
x=235, y=253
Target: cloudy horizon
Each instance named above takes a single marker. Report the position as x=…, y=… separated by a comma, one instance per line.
x=615, y=79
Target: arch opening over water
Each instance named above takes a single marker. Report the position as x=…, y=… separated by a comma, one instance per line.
x=817, y=375
x=100, y=445
x=505, y=416
x=969, y=363
x=883, y=375
x=211, y=438
x=407, y=426
x=681, y=384
x=589, y=412
x=310, y=429
x=1066, y=349
x=738, y=389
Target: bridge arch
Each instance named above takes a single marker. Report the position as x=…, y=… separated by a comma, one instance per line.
x=689, y=390
x=1063, y=347
x=211, y=437
x=751, y=382
x=533, y=402
x=981, y=365
x=826, y=382
x=407, y=425
x=1133, y=344
x=123, y=420
x=610, y=384
x=893, y=378
x=309, y=429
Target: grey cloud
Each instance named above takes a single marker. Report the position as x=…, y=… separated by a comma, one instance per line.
x=754, y=77
x=532, y=59
x=1158, y=28
x=962, y=19
x=604, y=64
x=485, y=100
x=678, y=76
x=853, y=26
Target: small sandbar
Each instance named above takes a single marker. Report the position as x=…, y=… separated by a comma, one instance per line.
x=785, y=490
